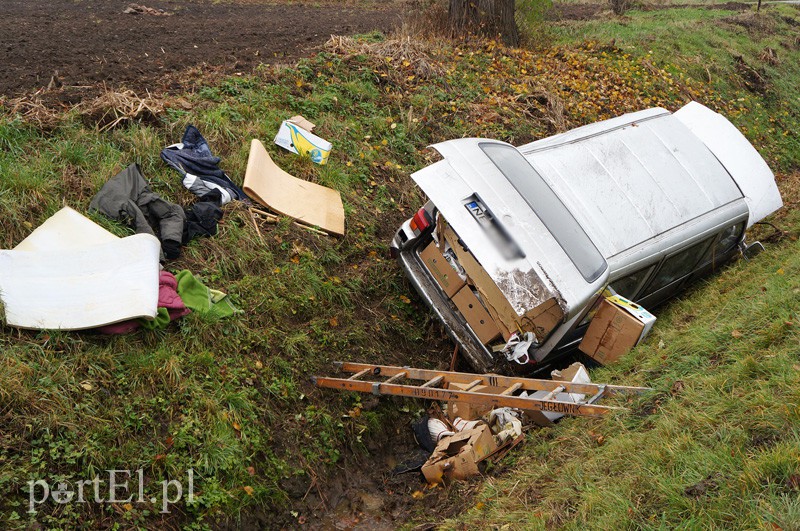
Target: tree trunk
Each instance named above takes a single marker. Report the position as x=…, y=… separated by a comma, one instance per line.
x=487, y=17
x=620, y=6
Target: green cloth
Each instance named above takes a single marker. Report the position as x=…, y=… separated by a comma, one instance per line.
x=197, y=297
x=159, y=323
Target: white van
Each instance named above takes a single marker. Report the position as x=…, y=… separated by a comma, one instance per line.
x=516, y=240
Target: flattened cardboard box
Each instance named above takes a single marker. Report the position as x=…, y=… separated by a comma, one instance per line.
x=540, y=320
x=457, y=456
x=617, y=327
x=441, y=270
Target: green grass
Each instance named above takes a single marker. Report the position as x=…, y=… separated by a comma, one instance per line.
x=231, y=398
x=703, y=44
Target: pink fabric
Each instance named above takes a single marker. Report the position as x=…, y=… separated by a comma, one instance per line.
x=123, y=327
x=168, y=295
x=167, y=298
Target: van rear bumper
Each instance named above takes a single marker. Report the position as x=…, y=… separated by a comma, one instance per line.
x=479, y=356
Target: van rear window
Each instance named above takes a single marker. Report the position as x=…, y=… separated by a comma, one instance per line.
x=549, y=208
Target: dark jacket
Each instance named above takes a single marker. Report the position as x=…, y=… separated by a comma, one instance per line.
x=127, y=197
x=193, y=159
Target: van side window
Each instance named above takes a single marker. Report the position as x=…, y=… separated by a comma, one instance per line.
x=629, y=286
x=678, y=266
x=727, y=241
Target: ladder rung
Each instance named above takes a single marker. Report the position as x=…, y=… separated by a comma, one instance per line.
x=511, y=390
x=554, y=392
x=396, y=377
x=359, y=374
x=433, y=382
x=599, y=394
x=473, y=384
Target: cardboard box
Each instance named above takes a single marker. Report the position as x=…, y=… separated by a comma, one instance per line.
x=575, y=373
x=476, y=315
x=442, y=271
x=540, y=320
x=617, y=327
x=293, y=136
x=467, y=410
x=457, y=456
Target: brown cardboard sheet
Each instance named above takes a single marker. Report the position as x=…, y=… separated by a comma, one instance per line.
x=476, y=315
x=308, y=203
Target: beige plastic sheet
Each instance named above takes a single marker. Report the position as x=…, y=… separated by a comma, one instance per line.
x=308, y=203
x=71, y=274
x=66, y=229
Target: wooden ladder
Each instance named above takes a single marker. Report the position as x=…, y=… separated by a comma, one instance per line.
x=435, y=385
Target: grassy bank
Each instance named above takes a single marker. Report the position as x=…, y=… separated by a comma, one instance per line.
x=231, y=398
x=750, y=60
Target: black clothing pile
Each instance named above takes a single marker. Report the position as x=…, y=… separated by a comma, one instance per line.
x=201, y=220
x=127, y=197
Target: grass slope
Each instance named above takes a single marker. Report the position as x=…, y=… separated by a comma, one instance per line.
x=231, y=398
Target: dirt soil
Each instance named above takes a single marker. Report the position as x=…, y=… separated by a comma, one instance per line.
x=372, y=491
x=91, y=42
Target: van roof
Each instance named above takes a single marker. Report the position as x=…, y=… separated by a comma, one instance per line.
x=631, y=178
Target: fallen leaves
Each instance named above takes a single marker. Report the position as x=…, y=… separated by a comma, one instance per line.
x=598, y=439
x=590, y=82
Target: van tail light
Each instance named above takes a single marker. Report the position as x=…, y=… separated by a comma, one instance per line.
x=421, y=221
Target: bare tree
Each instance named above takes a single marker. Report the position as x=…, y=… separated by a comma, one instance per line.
x=487, y=17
